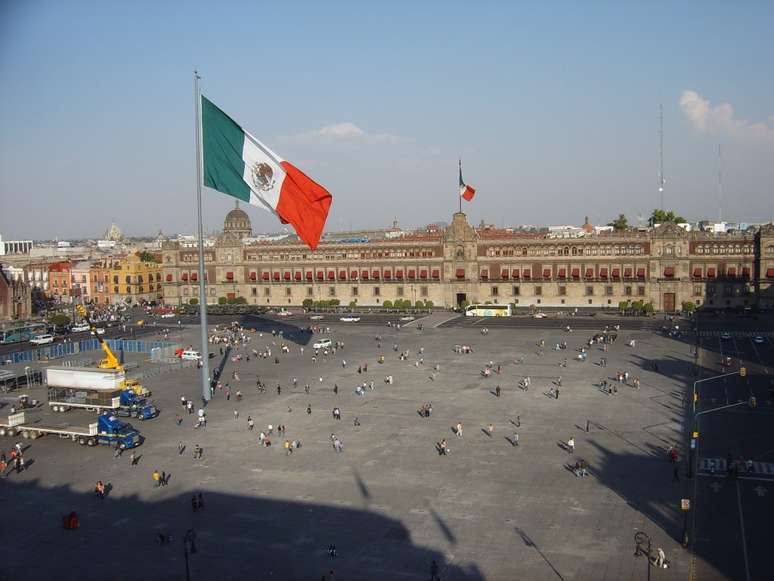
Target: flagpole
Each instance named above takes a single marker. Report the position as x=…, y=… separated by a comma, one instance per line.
x=458, y=190
x=206, y=389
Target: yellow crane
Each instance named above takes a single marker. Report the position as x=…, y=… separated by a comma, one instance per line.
x=110, y=361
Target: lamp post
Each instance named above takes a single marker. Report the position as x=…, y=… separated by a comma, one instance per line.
x=641, y=539
x=189, y=543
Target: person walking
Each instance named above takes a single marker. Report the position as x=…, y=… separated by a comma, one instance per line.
x=497, y=391
x=309, y=409
x=156, y=478
x=515, y=438
x=250, y=423
x=133, y=459
x=434, y=576
x=180, y=448
x=236, y=414
x=571, y=445
x=458, y=430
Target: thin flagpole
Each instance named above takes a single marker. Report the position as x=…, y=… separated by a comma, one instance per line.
x=206, y=389
x=458, y=189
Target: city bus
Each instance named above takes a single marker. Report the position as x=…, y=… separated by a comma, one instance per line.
x=488, y=311
x=20, y=333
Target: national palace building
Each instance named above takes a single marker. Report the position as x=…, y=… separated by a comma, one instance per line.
x=665, y=265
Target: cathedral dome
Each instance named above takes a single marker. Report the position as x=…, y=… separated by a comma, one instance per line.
x=237, y=222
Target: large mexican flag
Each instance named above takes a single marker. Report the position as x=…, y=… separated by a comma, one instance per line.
x=237, y=164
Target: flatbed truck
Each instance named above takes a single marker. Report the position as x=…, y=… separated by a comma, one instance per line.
x=108, y=430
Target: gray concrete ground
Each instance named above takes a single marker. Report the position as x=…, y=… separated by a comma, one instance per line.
x=389, y=502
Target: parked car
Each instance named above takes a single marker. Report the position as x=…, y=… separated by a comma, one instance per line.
x=79, y=328
x=322, y=344
x=42, y=339
x=349, y=319
x=190, y=355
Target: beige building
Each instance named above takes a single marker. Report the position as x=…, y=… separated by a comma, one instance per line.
x=665, y=265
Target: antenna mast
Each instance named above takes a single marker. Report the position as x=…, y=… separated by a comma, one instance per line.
x=720, y=184
x=661, y=180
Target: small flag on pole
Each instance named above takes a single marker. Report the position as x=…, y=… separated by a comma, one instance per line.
x=465, y=190
x=236, y=163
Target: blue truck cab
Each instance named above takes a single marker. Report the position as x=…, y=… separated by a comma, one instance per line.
x=113, y=432
x=134, y=406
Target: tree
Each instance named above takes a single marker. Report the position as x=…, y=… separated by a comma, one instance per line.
x=387, y=304
x=689, y=307
x=307, y=303
x=419, y=304
x=60, y=320
x=620, y=223
x=624, y=305
x=146, y=256
x=352, y=303
x=222, y=300
x=648, y=308
x=193, y=301
x=428, y=304
x=664, y=217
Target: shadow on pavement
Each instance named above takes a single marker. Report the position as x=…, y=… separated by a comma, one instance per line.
x=237, y=538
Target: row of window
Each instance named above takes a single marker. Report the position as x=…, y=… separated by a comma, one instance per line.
x=554, y=250
x=724, y=248
x=563, y=272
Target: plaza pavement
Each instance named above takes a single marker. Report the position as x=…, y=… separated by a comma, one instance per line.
x=389, y=503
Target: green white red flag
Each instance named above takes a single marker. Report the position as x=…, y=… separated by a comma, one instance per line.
x=237, y=164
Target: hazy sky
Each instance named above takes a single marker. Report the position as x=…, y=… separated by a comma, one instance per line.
x=552, y=106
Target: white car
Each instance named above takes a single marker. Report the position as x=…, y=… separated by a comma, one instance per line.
x=42, y=339
x=100, y=331
x=284, y=314
x=407, y=318
x=167, y=315
x=79, y=328
x=190, y=355
x=316, y=317
x=758, y=339
x=539, y=316
x=322, y=344
x=725, y=336
x=349, y=319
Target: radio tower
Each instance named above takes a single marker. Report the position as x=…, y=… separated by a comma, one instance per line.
x=661, y=180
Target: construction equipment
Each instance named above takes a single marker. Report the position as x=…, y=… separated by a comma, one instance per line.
x=111, y=361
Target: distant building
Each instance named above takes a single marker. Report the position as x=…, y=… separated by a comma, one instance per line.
x=59, y=281
x=79, y=281
x=460, y=264
x=15, y=246
x=15, y=298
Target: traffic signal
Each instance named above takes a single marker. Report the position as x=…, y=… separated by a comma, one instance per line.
x=742, y=372
x=753, y=402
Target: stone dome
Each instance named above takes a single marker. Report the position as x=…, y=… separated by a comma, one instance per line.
x=237, y=222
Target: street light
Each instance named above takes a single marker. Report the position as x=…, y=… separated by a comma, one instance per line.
x=189, y=539
x=641, y=539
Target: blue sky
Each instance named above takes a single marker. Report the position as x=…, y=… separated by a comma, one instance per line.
x=552, y=106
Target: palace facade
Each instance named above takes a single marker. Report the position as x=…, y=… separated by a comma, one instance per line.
x=665, y=265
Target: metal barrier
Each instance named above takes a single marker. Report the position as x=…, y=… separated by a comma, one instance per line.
x=59, y=350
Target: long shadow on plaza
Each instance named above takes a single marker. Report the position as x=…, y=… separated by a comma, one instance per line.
x=237, y=538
